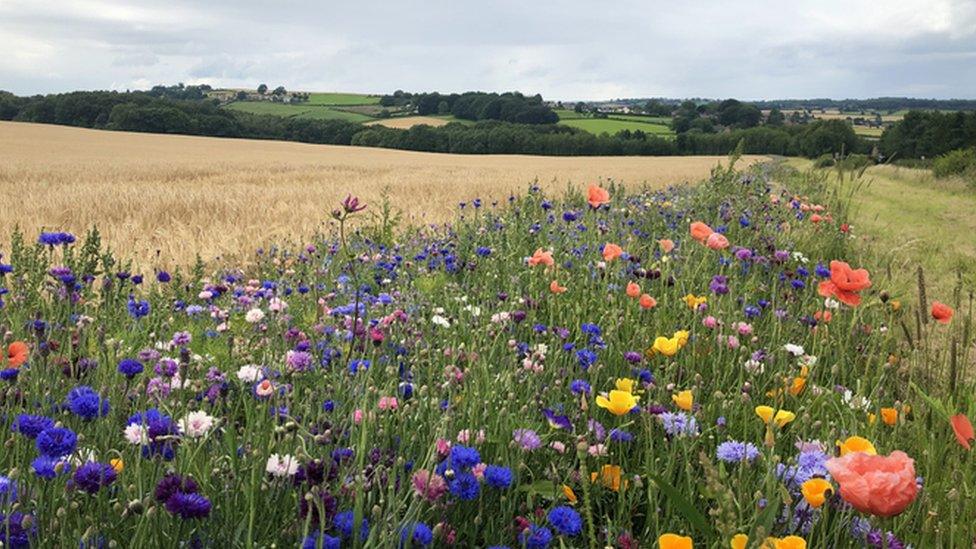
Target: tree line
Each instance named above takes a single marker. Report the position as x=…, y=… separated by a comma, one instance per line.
x=508, y=107
x=145, y=112
x=927, y=134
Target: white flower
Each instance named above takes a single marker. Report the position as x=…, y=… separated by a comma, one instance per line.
x=831, y=303
x=754, y=366
x=277, y=305
x=807, y=360
x=196, y=424
x=856, y=402
x=249, y=373
x=440, y=321
x=498, y=318
x=135, y=433
x=281, y=466
x=795, y=350
x=473, y=309
x=797, y=256
x=254, y=316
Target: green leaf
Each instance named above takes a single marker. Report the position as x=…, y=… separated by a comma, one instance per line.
x=934, y=404
x=685, y=507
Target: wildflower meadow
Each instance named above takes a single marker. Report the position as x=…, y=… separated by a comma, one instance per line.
x=717, y=365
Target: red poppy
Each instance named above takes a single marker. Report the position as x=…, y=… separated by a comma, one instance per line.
x=700, y=231
x=597, y=196
x=845, y=283
x=963, y=429
x=941, y=312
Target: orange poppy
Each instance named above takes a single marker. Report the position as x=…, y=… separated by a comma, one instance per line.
x=16, y=355
x=700, y=231
x=612, y=251
x=941, y=312
x=647, y=302
x=963, y=430
x=541, y=257
x=597, y=196
x=717, y=241
x=666, y=245
x=609, y=477
x=555, y=288
x=889, y=416
x=845, y=283
x=633, y=289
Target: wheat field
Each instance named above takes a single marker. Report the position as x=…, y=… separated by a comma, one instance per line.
x=163, y=199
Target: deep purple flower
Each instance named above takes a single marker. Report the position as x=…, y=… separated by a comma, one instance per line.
x=92, y=476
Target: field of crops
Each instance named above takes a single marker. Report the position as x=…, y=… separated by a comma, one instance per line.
x=299, y=110
x=342, y=99
x=613, y=125
x=164, y=199
x=703, y=366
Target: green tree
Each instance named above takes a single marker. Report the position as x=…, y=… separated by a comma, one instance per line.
x=262, y=89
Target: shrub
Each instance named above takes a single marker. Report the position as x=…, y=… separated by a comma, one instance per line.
x=958, y=162
x=824, y=161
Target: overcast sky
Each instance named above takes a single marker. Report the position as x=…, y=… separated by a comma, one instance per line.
x=749, y=49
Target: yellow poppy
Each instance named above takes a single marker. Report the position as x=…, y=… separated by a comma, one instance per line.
x=117, y=464
x=618, y=403
x=682, y=337
x=693, y=301
x=665, y=346
x=674, y=541
x=856, y=444
x=790, y=542
x=781, y=417
x=889, y=416
x=626, y=384
x=815, y=491
x=739, y=541
x=684, y=400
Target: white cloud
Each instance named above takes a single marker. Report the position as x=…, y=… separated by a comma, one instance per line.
x=565, y=50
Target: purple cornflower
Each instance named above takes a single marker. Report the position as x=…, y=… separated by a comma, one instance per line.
x=733, y=451
x=92, y=476
x=679, y=424
x=527, y=439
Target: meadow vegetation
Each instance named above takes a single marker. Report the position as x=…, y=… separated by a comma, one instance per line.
x=608, y=366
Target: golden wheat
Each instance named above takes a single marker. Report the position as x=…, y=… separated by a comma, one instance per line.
x=162, y=199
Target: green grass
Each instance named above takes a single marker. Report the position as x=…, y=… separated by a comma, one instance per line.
x=614, y=125
x=297, y=111
x=567, y=114
x=342, y=99
x=906, y=218
x=866, y=131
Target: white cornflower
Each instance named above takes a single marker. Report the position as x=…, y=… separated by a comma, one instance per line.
x=196, y=424
x=249, y=373
x=795, y=350
x=281, y=466
x=254, y=316
x=135, y=433
x=440, y=321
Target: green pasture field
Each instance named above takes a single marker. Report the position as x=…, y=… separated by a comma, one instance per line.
x=342, y=99
x=614, y=125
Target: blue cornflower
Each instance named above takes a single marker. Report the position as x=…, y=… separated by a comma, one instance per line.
x=536, y=537
x=130, y=368
x=565, y=520
x=8, y=490
x=359, y=364
x=498, y=476
x=733, y=451
x=417, y=533
x=328, y=542
x=483, y=251
x=56, y=442
x=465, y=486
x=137, y=309
x=92, y=476
x=580, y=386
x=85, y=403
x=188, y=506
x=30, y=426
x=344, y=521
x=585, y=358
x=463, y=457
